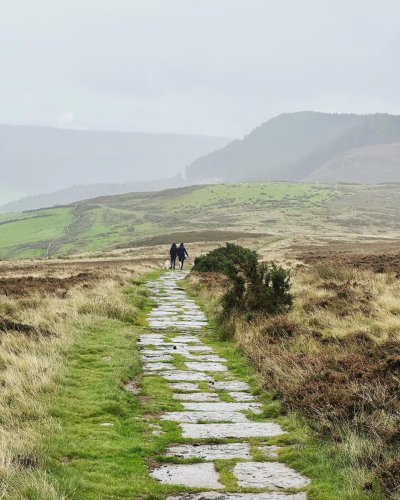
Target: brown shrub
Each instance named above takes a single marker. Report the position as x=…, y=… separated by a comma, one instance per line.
x=352, y=388
x=280, y=327
x=388, y=475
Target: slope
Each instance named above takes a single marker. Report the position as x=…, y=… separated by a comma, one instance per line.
x=373, y=164
x=292, y=146
x=202, y=213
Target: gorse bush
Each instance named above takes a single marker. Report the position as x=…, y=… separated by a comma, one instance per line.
x=255, y=286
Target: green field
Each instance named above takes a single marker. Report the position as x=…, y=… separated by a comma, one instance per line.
x=270, y=208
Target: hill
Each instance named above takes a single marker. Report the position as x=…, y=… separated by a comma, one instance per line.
x=373, y=164
x=202, y=213
x=39, y=159
x=294, y=146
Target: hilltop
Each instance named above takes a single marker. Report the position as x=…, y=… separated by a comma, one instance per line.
x=202, y=213
x=309, y=146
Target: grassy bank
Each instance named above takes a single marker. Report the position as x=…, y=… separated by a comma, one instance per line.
x=331, y=367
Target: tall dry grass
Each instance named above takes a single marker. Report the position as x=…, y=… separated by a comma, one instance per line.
x=334, y=359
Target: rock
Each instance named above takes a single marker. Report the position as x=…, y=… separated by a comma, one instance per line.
x=191, y=475
x=268, y=475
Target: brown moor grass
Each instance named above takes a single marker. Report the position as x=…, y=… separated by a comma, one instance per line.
x=334, y=359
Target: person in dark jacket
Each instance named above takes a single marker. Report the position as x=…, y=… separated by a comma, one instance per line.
x=182, y=254
x=173, y=252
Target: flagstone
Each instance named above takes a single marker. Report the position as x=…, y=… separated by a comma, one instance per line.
x=235, y=430
x=206, y=367
x=210, y=451
x=268, y=475
x=197, y=396
x=191, y=475
x=204, y=416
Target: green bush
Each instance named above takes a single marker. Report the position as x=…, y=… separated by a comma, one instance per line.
x=255, y=286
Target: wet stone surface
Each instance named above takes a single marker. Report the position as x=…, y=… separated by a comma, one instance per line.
x=184, y=386
x=268, y=475
x=185, y=376
x=199, y=396
x=213, y=495
x=231, y=385
x=204, y=416
x=206, y=367
x=175, y=337
x=211, y=451
x=192, y=475
x=254, y=407
x=220, y=431
x=242, y=396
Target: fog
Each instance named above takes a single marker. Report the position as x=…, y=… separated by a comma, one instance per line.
x=194, y=66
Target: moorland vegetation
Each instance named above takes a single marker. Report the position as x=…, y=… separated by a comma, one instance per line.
x=332, y=359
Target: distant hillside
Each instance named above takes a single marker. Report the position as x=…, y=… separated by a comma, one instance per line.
x=86, y=191
x=372, y=164
x=39, y=159
x=222, y=212
x=295, y=145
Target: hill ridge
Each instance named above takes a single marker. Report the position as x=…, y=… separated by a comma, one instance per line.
x=291, y=146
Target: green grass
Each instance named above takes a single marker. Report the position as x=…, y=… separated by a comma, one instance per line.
x=31, y=233
x=263, y=192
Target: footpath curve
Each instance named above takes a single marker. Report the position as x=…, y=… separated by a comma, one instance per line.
x=216, y=419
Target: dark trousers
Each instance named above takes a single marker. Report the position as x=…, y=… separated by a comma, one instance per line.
x=173, y=260
x=181, y=261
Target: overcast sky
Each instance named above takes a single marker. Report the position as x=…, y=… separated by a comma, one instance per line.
x=216, y=67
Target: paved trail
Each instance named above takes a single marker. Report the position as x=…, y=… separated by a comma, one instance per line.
x=218, y=412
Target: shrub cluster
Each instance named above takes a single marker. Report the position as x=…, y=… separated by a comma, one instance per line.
x=255, y=286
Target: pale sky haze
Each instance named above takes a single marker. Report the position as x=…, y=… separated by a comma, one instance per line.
x=215, y=67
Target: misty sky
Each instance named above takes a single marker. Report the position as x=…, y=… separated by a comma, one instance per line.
x=216, y=67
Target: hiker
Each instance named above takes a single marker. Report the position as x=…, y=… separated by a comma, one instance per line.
x=173, y=252
x=182, y=254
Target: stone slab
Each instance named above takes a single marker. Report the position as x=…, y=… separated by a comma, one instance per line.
x=198, y=396
x=254, y=407
x=242, y=396
x=210, y=451
x=268, y=475
x=156, y=359
x=157, y=367
x=184, y=376
x=213, y=495
x=185, y=339
x=231, y=385
x=199, y=348
x=184, y=386
x=219, y=431
x=206, y=357
x=191, y=475
x=204, y=416
x=206, y=367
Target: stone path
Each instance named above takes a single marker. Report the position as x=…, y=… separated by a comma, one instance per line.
x=216, y=416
